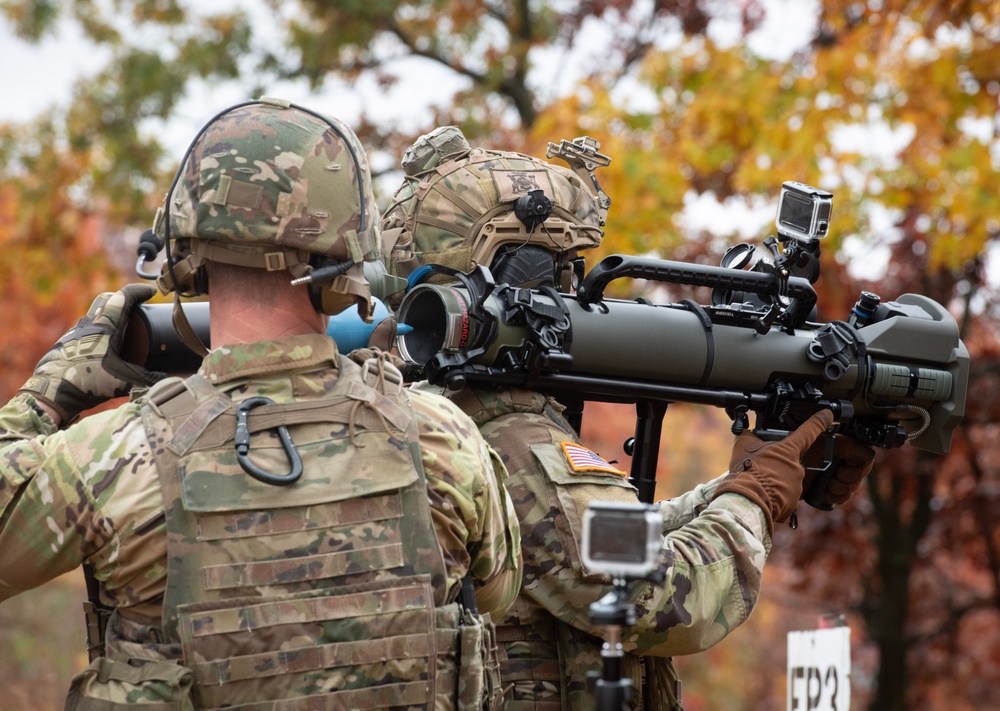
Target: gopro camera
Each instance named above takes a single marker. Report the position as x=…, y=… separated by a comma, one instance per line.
x=622, y=540
x=803, y=212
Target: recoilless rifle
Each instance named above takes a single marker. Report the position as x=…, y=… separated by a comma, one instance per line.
x=891, y=372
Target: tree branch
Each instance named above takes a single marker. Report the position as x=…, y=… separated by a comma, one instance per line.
x=400, y=34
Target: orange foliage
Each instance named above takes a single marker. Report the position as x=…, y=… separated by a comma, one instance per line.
x=44, y=292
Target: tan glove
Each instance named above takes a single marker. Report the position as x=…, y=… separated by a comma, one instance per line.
x=850, y=462
x=84, y=367
x=361, y=355
x=383, y=336
x=771, y=474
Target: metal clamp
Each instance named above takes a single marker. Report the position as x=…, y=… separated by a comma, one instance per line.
x=242, y=441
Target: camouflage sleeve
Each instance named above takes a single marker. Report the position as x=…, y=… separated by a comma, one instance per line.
x=684, y=508
x=22, y=418
x=714, y=552
x=475, y=520
x=61, y=503
x=714, y=567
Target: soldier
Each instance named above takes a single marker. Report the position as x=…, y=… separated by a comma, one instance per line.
x=457, y=207
x=287, y=528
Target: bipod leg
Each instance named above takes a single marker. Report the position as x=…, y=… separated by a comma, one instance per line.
x=646, y=447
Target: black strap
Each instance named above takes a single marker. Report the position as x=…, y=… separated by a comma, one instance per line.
x=467, y=595
x=706, y=323
x=96, y=614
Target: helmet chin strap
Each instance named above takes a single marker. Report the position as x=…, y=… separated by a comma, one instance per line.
x=183, y=328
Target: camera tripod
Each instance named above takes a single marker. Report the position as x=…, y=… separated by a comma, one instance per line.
x=615, y=611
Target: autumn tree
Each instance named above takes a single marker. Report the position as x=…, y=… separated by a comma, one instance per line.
x=54, y=257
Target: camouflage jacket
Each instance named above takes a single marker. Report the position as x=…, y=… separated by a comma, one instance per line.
x=90, y=493
x=714, y=554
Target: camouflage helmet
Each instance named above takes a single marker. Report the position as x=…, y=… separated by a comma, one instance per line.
x=272, y=185
x=456, y=205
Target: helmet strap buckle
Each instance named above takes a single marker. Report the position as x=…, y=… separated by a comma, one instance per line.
x=275, y=261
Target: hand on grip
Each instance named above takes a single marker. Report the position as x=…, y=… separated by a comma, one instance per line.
x=771, y=474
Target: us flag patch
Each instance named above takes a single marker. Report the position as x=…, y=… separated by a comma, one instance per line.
x=582, y=459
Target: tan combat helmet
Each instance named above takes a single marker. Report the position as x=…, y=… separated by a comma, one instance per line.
x=273, y=185
x=461, y=206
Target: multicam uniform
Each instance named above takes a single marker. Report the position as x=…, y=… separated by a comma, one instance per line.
x=457, y=206
x=714, y=553
x=329, y=572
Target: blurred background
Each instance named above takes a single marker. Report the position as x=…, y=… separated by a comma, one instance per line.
x=705, y=107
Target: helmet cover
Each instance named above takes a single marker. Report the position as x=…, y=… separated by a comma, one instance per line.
x=272, y=185
x=456, y=206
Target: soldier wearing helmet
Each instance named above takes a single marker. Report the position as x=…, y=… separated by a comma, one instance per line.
x=462, y=207
x=288, y=527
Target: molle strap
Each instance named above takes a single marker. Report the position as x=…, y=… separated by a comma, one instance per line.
x=236, y=193
x=164, y=391
x=355, y=250
x=210, y=406
x=396, y=620
x=526, y=400
x=269, y=417
x=301, y=569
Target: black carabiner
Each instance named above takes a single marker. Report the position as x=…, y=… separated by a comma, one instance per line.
x=242, y=441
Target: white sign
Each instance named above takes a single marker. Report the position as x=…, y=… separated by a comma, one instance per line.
x=819, y=670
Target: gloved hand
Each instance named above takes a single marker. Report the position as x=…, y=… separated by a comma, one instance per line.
x=851, y=462
x=84, y=367
x=361, y=355
x=383, y=336
x=771, y=474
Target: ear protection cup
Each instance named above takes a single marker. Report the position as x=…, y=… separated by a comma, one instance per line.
x=327, y=301
x=526, y=265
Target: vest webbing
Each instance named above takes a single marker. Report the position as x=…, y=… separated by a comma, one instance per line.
x=327, y=593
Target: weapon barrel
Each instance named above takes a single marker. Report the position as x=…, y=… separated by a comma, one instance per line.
x=911, y=367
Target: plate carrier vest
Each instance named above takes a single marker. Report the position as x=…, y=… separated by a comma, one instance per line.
x=324, y=594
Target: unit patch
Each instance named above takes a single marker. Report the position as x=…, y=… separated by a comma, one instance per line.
x=512, y=184
x=582, y=459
